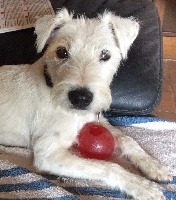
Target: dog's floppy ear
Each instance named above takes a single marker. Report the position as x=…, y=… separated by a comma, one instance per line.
x=47, y=24
x=124, y=29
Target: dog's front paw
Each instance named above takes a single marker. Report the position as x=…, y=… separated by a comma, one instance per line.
x=151, y=193
x=146, y=190
x=136, y=186
x=156, y=171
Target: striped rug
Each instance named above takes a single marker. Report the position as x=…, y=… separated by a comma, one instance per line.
x=20, y=180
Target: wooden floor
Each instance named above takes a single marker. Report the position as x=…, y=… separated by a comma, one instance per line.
x=167, y=106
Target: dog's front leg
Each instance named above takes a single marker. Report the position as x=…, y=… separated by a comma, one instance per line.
x=54, y=157
x=130, y=148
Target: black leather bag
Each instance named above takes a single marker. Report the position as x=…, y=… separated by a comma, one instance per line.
x=136, y=89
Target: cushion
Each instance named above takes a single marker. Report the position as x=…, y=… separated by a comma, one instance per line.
x=136, y=88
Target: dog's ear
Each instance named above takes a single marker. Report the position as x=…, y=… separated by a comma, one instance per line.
x=46, y=25
x=125, y=30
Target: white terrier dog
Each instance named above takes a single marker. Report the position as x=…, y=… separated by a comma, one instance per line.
x=80, y=60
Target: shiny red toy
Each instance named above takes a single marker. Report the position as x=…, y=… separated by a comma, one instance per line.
x=95, y=141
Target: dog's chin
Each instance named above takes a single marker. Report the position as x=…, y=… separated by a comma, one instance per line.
x=81, y=110
x=86, y=110
x=92, y=108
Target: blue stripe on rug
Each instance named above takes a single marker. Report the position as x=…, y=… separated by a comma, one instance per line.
x=35, y=185
x=12, y=172
x=56, y=198
x=109, y=193
x=129, y=120
x=169, y=195
x=96, y=191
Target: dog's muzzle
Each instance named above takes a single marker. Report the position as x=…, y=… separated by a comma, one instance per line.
x=80, y=98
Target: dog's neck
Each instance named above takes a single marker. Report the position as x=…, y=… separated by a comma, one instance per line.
x=47, y=76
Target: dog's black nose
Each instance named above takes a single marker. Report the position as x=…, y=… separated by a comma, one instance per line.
x=80, y=98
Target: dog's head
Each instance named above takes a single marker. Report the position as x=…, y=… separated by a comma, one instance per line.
x=82, y=56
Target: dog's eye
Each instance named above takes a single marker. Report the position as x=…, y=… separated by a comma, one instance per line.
x=105, y=55
x=62, y=53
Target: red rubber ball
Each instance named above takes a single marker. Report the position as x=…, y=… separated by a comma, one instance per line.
x=95, y=142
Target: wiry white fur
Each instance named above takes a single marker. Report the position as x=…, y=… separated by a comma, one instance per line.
x=125, y=30
x=42, y=118
x=46, y=24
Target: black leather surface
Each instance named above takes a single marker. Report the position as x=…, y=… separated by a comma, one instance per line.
x=136, y=89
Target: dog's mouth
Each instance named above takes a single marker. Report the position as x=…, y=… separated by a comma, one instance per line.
x=47, y=76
